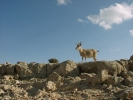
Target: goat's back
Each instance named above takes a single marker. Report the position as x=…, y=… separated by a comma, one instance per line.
x=90, y=53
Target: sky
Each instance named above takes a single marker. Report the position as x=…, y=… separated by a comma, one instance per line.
x=37, y=30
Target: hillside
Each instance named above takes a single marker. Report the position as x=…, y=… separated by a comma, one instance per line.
x=101, y=80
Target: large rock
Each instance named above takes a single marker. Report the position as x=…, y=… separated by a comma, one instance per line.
x=126, y=94
x=3, y=70
x=50, y=67
x=131, y=58
x=113, y=67
x=7, y=69
x=50, y=86
x=67, y=68
x=23, y=70
x=128, y=81
x=114, y=80
x=87, y=75
x=54, y=77
x=38, y=70
x=103, y=75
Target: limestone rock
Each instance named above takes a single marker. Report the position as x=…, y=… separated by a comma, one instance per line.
x=113, y=67
x=87, y=75
x=50, y=67
x=23, y=70
x=103, y=75
x=54, y=77
x=10, y=69
x=128, y=81
x=1, y=92
x=38, y=70
x=131, y=58
x=126, y=94
x=114, y=80
x=50, y=86
x=40, y=93
x=67, y=68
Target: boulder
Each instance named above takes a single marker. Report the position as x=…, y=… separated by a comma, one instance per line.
x=114, y=80
x=95, y=80
x=54, y=77
x=126, y=94
x=130, y=73
x=103, y=75
x=8, y=77
x=50, y=67
x=50, y=86
x=128, y=81
x=131, y=58
x=87, y=75
x=113, y=67
x=67, y=68
x=23, y=70
x=10, y=69
x=41, y=93
x=69, y=84
x=3, y=70
x=38, y=70
x=1, y=92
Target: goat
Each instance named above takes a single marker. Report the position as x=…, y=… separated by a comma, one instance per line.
x=86, y=53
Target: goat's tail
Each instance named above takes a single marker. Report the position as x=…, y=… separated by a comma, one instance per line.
x=97, y=50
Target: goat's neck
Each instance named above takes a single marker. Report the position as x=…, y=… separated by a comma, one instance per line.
x=80, y=49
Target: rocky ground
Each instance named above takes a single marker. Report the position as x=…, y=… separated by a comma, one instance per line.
x=101, y=80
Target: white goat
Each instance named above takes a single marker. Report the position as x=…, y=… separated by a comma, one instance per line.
x=86, y=53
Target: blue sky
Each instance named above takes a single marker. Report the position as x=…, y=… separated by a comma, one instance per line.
x=37, y=30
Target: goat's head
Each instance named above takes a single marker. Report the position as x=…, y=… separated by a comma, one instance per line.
x=78, y=45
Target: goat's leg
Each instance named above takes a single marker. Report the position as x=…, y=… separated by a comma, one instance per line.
x=82, y=58
x=94, y=58
x=85, y=58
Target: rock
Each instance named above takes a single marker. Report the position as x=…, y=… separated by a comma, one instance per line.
x=1, y=92
x=130, y=73
x=50, y=67
x=95, y=80
x=103, y=75
x=40, y=93
x=77, y=79
x=17, y=82
x=38, y=70
x=54, y=77
x=6, y=97
x=114, y=80
x=7, y=87
x=50, y=86
x=113, y=67
x=99, y=78
x=22, y=63
x=87, y=75
x=131, y=58
x=126, y=94
x=8, y=77
x=23, y=70
x=69, y=84
x=125, y=64
x=128, y=81
x=67, y=68
x=3, y=70
x=10, y=69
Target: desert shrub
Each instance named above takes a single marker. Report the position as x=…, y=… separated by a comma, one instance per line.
x=53, y=60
